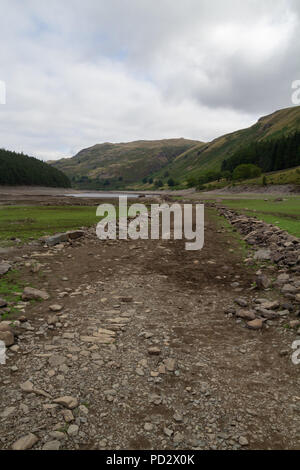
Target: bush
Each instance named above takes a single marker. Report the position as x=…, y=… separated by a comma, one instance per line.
x=246, y=171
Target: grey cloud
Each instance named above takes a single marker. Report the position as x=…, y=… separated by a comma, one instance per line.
x=80, y=73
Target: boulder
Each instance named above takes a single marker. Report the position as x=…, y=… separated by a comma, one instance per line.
x=34, y=294
x=4, y=268
x=25, y=442
x=246, y=315
x=56, y=239
x=7, y=337
x=74, y=234
x=3, y=303
x=256, y=324
x=262, y=255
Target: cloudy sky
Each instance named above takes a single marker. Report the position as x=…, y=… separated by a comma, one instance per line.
x=79, y=73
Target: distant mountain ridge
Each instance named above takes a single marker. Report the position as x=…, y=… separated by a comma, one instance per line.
x=128, y=164
x=121, y=163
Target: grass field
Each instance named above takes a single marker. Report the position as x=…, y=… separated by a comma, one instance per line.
x=25, y=222
x=285, y=214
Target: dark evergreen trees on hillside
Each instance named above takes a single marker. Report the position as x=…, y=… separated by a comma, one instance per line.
x=19, y=169
x=270, y=155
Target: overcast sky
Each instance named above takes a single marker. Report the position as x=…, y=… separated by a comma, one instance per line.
x=79, y=72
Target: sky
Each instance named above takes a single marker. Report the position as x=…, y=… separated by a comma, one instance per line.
x=80, y=73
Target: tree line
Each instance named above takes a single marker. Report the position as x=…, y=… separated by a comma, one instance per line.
x=270, y=155
x=19, y=169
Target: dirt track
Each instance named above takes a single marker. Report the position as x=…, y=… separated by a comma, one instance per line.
x=227, y=388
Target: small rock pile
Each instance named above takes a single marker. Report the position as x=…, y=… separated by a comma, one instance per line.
x=279, y=246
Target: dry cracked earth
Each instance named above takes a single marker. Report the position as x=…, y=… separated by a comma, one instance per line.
x=138, y=353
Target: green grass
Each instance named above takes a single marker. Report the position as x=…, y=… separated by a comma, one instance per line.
x=11, y=288
x=25, y=222
x=285, y=214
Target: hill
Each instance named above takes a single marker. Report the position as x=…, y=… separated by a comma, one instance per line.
x=121, y=164
x=209, y=157
x=19, y=169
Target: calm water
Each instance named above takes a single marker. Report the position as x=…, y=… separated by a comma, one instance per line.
x=103, y=195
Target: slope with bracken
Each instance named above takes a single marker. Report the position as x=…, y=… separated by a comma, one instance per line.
x=206, y=157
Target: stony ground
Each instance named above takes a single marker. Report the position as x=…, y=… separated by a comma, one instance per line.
x=140, y=355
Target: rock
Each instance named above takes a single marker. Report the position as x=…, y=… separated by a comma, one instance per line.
x=34, y=294
x=271, y=305
x=52, y=320
x=73, y=430
x=178, y=437
x=67, y=401
x=168, y=432
x=27, y=386
x=7, y=337
x=74, y=234
x=241, y=302
x=5, y=326
x=294, y=323
x=288, y=289
x=3, y=303
x=4, y=268
x=52, y=445
x=56, y=360
x=154, y=351
x=170, y=364
x=55, y=308
x=126, y=299
x=7, y=412
x=246, y=314
x=256, y=324
x=68, y=416
x=243, y=441
x=178, y=417
x=262, y=255
x=148, y=427
x=25, y=442
x=56, y=239
x=263, y=282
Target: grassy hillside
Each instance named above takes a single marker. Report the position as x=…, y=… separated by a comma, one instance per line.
x=119, y=165
x=18, y=169
x=206, y=157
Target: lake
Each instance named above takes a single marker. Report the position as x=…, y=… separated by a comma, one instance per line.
x=107, y=195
